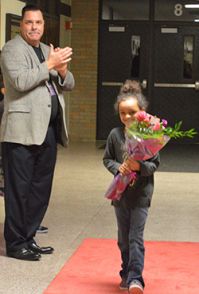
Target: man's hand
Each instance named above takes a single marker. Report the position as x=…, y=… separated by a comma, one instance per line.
x=63, y=68
x=58, y=59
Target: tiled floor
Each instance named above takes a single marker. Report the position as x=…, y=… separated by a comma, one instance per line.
x=79, y=210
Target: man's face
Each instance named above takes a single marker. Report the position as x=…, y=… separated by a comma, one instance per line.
x=32, y=27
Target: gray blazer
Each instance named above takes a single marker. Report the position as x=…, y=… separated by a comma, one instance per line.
x=27, y=103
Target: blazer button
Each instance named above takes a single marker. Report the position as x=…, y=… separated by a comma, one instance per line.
x=49, y=105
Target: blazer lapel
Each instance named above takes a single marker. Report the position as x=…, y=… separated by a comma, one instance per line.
x=30, y=49
x=45, y=50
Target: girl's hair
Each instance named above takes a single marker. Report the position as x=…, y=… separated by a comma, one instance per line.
x=131, y=86
x=131, y=89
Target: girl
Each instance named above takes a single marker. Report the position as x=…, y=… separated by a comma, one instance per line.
x=132, y=209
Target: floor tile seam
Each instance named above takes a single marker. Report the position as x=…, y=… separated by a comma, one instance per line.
x=87, y=224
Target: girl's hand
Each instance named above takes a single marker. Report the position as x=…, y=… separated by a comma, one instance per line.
x=124, y=168
x=133, y=164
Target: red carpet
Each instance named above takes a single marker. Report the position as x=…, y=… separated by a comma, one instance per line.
x=170, y=267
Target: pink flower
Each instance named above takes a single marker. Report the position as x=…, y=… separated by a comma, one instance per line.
x=142, y=116
x=154, y=120
x=156, y=126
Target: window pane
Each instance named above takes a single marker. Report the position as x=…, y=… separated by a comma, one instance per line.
x=188, y=57
x=135, y=50
x=125, y=9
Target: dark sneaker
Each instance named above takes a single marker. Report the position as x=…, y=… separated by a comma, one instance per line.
x=136, y=287
x=42, y=229
x=123, y=284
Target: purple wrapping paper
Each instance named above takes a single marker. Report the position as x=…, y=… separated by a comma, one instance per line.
x=138, y=149
x=118, y=186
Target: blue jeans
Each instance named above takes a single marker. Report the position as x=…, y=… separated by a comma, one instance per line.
x=131, y=224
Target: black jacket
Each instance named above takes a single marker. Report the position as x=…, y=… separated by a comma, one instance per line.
x=140, y=193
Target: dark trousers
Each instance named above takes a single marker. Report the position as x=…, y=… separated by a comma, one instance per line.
x=28, y=175
x=131, y=224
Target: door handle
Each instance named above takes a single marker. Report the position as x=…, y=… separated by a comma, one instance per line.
x=170, y=85
x=197, y=85
x=112, y=84
x=144, y=84
x=119, y=84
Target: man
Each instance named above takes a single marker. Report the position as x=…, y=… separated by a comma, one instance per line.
x=32, y=124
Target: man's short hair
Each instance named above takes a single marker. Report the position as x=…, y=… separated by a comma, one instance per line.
x=29, y=7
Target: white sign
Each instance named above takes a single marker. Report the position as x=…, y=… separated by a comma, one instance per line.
x=116, y=29
x=169, y=30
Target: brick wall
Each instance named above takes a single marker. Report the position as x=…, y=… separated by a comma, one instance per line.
x=83, y=99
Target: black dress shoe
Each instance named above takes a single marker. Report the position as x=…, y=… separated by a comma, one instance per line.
x=42, y=250
x=24, y=254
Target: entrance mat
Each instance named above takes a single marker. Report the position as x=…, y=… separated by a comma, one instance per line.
x=170, y=267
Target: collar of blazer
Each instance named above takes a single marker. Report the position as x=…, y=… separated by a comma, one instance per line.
x=45, y=49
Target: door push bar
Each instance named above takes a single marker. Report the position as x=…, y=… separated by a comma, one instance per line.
x=112, y=84
x=119, y=84
x=169, y=85
x=157, y=85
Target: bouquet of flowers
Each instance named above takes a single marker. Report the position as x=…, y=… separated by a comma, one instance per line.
x=146, y=136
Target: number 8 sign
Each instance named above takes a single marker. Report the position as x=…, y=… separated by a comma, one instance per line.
x=178, y=9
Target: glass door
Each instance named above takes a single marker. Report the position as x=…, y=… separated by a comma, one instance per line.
x=176, y=75
x=124, y=54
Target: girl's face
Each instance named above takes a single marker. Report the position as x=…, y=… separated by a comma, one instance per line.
x=127, y=110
